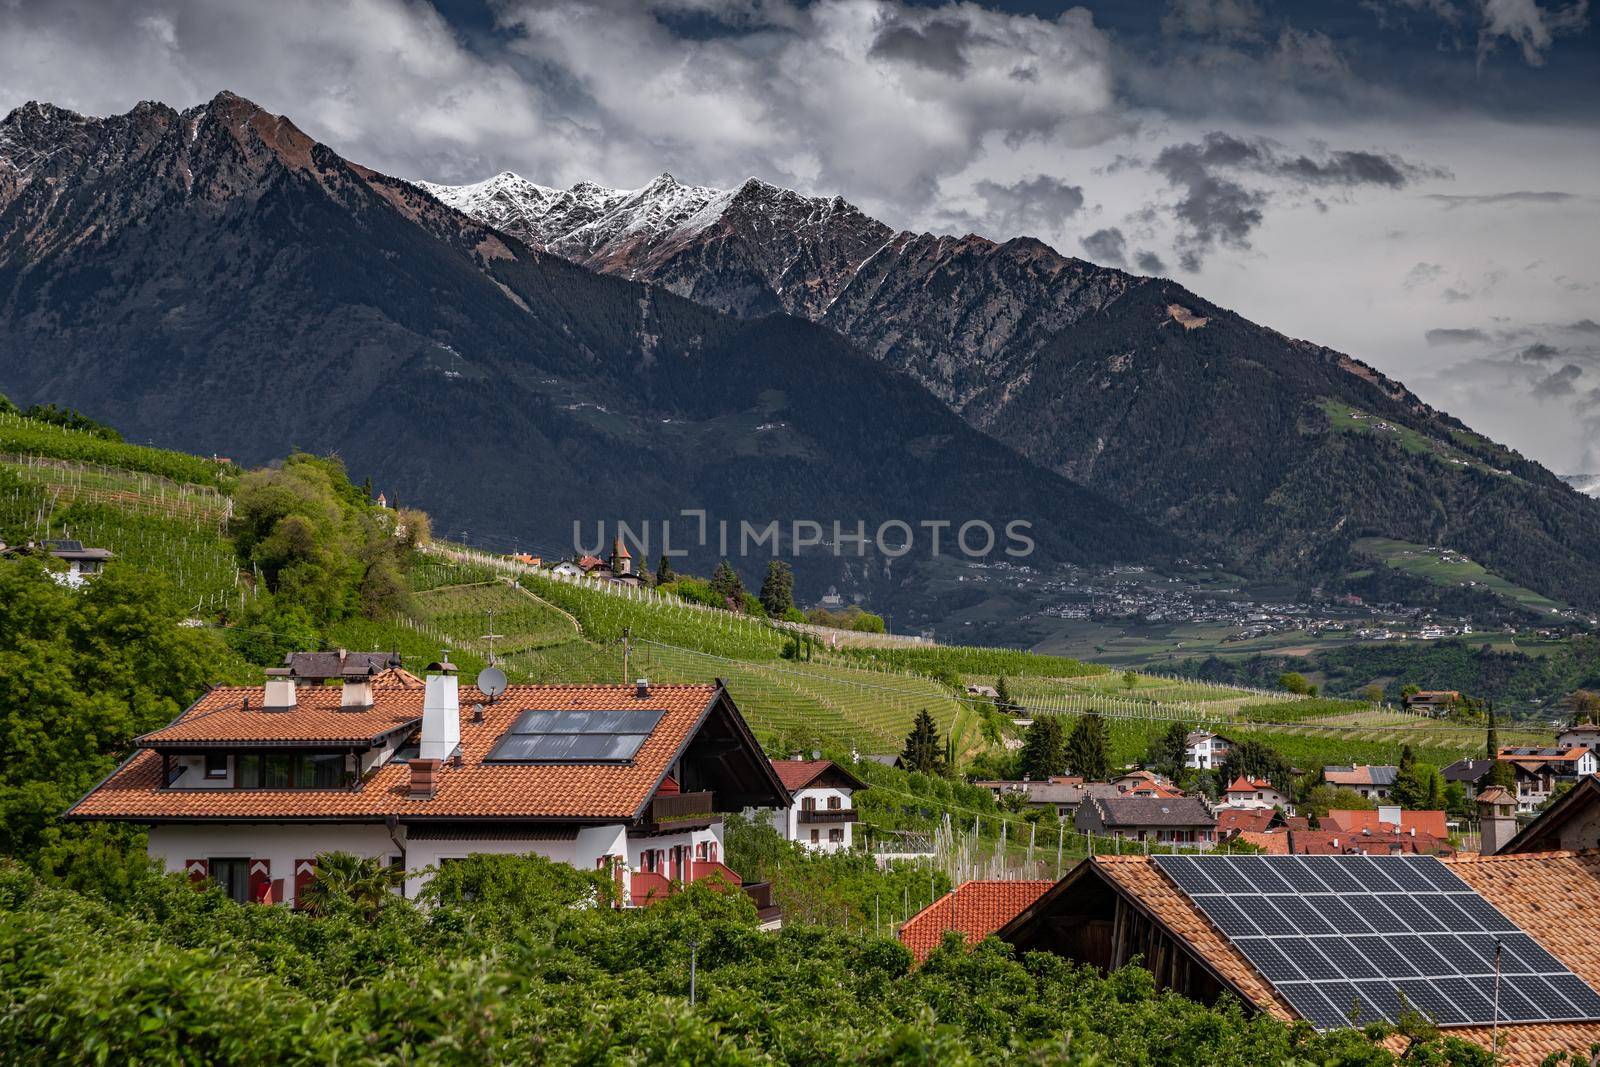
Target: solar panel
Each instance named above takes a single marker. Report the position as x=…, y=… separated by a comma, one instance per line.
x=574, y=736
x=1352, y=939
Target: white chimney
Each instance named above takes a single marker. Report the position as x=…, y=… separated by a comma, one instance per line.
x=441, y=717
x=280, y=695
x=356, y=694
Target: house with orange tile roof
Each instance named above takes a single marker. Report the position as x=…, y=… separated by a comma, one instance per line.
x=1258, y=793
x=1571, y=822
x=1540, y=769
x=1111, y=911
x=250, y=784
x=1387, y=819
x=973, y=909
x=822, y=814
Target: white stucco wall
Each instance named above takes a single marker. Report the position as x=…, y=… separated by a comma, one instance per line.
x=279, y=845
x=788, y=824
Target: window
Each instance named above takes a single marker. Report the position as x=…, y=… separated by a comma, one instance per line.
x=291, y=770
x=233, y=876
x=836, y=835
x=808, y=804
x=275, y=771
x=834, y=804
x=816, y=837
x=216, y=765
x=319, y=771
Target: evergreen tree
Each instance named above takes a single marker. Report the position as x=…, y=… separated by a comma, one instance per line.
x=726, y=584
x=1002, y=696
x=1492, y=738
x=923, y=752
x=1168, y=752
x=1087, y=749
x=1252, y=759
x=1410, y=791
x=777, y=591
x=664, y=571
x=1044, y=748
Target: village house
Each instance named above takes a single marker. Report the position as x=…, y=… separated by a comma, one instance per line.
x=1205, y=750
x=1388, y=818
x=1435, y=702
x=566, y=568
x=1571, y=824
x=82, y=563
x=1472, y=774
x=822, y=814
x=250, y=784
x=1580, y=735
x=1371, y=782
x=1185, y=822
x=1539, y=770
x=1245, y=792
x=1375, y=937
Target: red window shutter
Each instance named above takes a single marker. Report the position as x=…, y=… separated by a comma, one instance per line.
x=197, y=870
x=711, y=851
x=305, y=872
x=277, y=891
x=261, y=881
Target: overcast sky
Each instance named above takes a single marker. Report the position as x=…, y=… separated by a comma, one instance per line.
x=1416, y=182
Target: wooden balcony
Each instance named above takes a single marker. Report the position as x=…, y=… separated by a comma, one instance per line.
x=833, y=815
x=680, y=811
x=760, y=894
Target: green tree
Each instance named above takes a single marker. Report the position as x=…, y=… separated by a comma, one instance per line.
x=664, y=572
x=1585, y=704
x=1003, y=702
x=1294, y=682
x=1491, y=738
x=923, y=751
x=868, y=623
x=1504, y=775
x=1044, y=748
x=1088, y=749
x=1255, y=759
x=1130, y=679
x=777, y=590
x=348, y=881
x=1372, y=693
x=1168, y=751
x=727, y=585
x=1409, y=690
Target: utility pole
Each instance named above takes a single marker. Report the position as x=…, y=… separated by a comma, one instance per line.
x=626, y=631
x=694, y=952
x=491, y=635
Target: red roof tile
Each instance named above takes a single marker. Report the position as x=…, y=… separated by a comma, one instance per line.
x=475, y=790
x=977, y=909
x=222, y=717
x=1354, y=821
x=1244, y=820
x=799, y=773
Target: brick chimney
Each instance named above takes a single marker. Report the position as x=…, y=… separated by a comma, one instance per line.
x=280, y=695
x=441, y=712
x=424, y=779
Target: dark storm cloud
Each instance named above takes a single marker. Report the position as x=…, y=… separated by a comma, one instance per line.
x=1039, y=204
x=939, y=45
x=1584, y=326
x=1150, y=263
x=1106, y=246
x=1561, y=383
x=1218, y=208
x=1437, y=338
x=1539, y=352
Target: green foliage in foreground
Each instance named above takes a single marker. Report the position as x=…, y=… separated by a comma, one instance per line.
x=513, y=961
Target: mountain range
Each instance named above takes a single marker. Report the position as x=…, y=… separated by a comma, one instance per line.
x=1274, y=454
x=215, y=280
x=516, y=358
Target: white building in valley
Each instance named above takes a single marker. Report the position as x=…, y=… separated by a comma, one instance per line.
x=250, y=784
x=1205, y=750
x=822, y=815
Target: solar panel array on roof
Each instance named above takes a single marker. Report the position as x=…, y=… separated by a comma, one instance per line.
x=1348, y=939
x=574, y=736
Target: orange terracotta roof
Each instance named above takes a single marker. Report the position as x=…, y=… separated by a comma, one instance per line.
x=1354, y=821
x=977, y=909
x=222, y=717
x=799, y=773
x=1242, y=784
x=1272, y=842
x=1345, y=843
x=1244, y=820
x=475, y=790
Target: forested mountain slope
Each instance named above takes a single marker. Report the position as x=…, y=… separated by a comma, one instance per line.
x=217, y=281
x=1272, y=452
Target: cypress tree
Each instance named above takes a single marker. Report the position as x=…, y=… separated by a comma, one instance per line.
x=664, y=571
x=923, y=751
x=1087, y=753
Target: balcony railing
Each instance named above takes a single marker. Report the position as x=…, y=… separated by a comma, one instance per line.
x=828, y=815
x=680, y=811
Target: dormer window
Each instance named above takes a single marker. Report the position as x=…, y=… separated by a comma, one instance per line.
x=216, y=765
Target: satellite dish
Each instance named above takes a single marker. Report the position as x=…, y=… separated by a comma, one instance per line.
x=491, y=682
